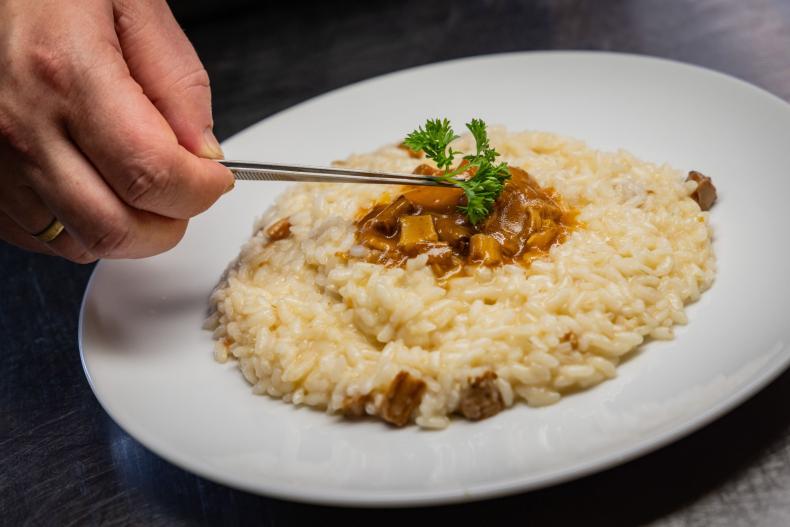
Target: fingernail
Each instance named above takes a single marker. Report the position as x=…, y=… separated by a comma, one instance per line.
x=230, y=187
x=211, y=147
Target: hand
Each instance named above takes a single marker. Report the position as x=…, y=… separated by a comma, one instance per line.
x=105, y=124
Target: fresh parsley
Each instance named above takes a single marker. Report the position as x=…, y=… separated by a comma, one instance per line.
x=488, y=179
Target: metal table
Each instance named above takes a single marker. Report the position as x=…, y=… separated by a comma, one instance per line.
x=64, y=462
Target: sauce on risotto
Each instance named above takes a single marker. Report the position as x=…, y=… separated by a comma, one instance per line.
x=527, y=220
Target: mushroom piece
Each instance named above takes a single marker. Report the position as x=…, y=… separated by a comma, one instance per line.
x=387, y=220
x=705, y=193
x=402, y=398
x=355, y=406
x=450, y=231
x=378, y=242
x=484, y=249
x=444, y=199
x=415, y=230
x=545, y=237
x=441, y=257
x=481, y=398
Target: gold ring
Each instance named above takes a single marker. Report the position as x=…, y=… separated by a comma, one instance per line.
x=51, y=231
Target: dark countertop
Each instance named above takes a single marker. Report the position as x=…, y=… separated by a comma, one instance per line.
x=64, y=462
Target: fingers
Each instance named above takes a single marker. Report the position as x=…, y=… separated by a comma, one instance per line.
x=25, y=214
x=93, y=215
x=103, y=156
x=164, y=63
x=133, y=147
x=12, y=233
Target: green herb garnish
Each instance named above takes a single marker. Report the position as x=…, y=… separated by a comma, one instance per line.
x=489, y=178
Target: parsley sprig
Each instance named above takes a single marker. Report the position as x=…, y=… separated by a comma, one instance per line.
x=489, y=178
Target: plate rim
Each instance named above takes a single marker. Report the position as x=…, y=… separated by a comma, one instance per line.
x=547, y=52
x=767, y=373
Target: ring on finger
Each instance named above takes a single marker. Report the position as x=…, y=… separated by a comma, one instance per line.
x=50, y=232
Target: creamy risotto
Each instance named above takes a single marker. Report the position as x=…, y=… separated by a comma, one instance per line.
x=313, y=319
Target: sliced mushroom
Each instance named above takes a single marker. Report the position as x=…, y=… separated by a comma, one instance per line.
x=378, y=242
x=355, y=406
x=415, y=230
x=535, y=221
x=484, y=249
x=705, y=193
x=387, y=220
x=402, y=398
x=452, y=232
x=435, y=199
x=545, y=238
x=481, y=399
x=441, y=257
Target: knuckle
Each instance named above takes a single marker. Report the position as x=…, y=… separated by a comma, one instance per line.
x=131, y=16
x=147, y=175
x=111, y=241
x=14, y=136
x=53, y=67
x=193, y=77
x=196, y=77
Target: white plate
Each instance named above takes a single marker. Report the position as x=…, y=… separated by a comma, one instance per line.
x=151, y=367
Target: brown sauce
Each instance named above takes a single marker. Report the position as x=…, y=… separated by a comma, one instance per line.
x=279, y=230
x=526, y=222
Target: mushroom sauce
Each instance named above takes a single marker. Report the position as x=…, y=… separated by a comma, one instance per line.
x=526, y=222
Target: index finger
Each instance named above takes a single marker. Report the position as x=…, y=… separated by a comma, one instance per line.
x=131, y=144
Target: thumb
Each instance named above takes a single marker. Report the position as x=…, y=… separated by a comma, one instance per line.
x=164, y=63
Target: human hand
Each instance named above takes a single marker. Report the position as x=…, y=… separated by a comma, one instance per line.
x=105, y=121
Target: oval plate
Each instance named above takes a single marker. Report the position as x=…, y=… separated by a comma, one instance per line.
x=151, y=367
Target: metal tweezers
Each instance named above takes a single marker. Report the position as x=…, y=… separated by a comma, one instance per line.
x=245, y=171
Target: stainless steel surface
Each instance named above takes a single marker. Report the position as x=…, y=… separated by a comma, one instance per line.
x=63, y=461
x=251, y=171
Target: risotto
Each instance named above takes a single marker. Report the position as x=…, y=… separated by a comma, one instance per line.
x=313, y=320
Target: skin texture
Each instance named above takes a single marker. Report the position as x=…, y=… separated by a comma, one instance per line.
x=105, y=124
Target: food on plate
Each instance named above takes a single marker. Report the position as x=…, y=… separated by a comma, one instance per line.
x=530, y=273
x=486, y=213
x=705, y=193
